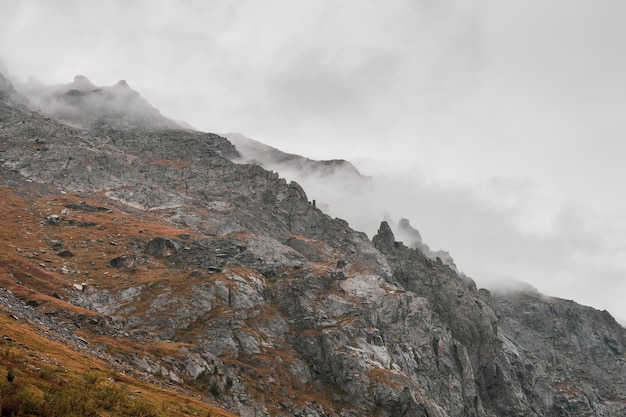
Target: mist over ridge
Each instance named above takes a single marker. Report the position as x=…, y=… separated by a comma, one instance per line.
x=483, y=229
x=84, y=103
x=339, y=189
x=187, y=262
x=432, y=206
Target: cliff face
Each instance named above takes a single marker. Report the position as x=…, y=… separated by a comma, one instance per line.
x=222, y=278
x=568, y=358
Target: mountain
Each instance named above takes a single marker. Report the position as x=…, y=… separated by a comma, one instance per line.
x=157, y=259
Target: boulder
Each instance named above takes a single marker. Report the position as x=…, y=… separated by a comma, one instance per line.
x=124, y=261
x=162, y=247
x=53, y=220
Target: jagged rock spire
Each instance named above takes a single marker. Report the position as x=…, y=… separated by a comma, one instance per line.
x=384, y=240
x=5, y=85
x=7, y=91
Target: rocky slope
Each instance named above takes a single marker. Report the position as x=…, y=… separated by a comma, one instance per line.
x=222, y=278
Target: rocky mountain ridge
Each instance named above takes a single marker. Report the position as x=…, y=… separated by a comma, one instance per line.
x=86, y=105
x=223, y=278
x=255, y=152
x=333, y=181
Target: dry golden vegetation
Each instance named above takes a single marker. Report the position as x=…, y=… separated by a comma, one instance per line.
x=40, y=376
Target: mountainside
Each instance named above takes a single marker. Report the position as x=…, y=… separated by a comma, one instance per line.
x=151, y=252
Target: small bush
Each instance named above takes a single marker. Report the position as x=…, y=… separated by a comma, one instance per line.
x=214, y=388
x=30, y=400
x=48, y=372
x=201, y=382
x=111, y=397
x=10, y=376
x=140, y=408
x=91, y=378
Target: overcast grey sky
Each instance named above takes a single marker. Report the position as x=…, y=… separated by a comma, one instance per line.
x=497, y=128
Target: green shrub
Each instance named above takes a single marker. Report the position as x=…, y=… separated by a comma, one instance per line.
x=30, y=400
x=214, y=388
x=140, y=408
x=48, y=372
x=10, y=375
x=91, y=378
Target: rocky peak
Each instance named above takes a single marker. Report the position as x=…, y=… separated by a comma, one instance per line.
x=413, y=239
x=384, y=240
x=5, y=84
x=87, y=105
x=121, y=89
x=405, y=226
x=81, y=83
x=7, y=91
x=122, y=84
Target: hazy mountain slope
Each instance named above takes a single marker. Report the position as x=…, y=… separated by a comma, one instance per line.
x=87, y=105
x=222, y=278
x=334, y=183
x=253, y=151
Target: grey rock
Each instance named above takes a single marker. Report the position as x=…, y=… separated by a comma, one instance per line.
x=384, y=240
x=124, y=261
x=53, y=220
x=162, y=247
